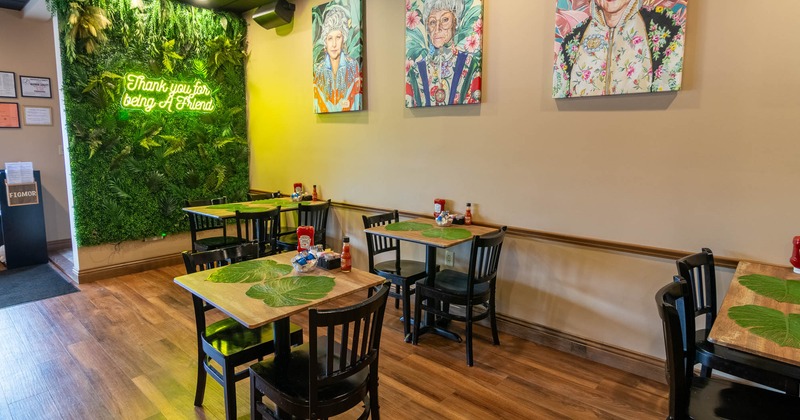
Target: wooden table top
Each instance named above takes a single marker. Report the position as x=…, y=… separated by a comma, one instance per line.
x=418, y=237
x=220, y=212
x=231, y=298
x=727, y=332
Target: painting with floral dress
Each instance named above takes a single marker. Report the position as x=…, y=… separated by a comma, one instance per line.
x=337, y=34
x=443, y=52
x=614, y=47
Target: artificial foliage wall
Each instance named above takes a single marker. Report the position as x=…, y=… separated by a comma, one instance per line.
x=154, y=95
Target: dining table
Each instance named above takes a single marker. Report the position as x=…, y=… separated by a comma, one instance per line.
x=426, y=232
x=226, y=211
x=760, y=314
x=270, y=289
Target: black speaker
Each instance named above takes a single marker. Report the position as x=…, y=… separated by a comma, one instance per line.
x=273, y=14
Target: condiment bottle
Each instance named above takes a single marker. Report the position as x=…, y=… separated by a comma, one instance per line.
x=795, y=259
x=468, y=215
x=305, y=238
x=438, y=206
x=314, y=194
x=347, y=261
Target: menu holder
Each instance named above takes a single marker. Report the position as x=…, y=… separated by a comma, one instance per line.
x=22, y=194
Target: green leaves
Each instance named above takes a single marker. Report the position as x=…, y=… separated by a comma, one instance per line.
x=769, y=323
x=250, y=272
x=407, y=226
x=274, y=289
x=773, y=287
x=292, y=291
x=448, y=233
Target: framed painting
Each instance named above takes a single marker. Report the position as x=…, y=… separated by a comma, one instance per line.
x=605, y=47
x=443, y=52
x=337, y=53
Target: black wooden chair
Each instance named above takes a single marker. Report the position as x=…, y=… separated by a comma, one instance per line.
x=692, y=397
x=402, y=273
x=260, y=227
x=475, y=289
x=307, y=215
x=335, y=371
x=263, y=195
x=227, y=342
x=199, y=223
x=699, y=272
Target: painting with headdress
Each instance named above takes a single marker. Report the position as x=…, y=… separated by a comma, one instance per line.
x=338, y=39
x=443, y=52
x=614, y=47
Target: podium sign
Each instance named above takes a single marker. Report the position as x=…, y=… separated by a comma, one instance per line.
x=22, y=194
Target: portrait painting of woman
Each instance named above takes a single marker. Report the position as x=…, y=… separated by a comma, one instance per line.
x=613, y=47
x=337, y=38
x=443, y=52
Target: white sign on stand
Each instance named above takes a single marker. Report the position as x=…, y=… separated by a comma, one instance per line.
x=19, y=172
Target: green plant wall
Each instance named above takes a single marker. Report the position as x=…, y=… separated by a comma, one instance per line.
x=133, y=165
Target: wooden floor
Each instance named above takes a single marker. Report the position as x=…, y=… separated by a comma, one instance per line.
x=124, y=348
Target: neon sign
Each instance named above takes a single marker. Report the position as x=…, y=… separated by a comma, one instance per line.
x=171, y=96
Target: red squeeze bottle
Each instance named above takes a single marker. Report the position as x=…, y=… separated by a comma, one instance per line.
x=795, y=259
x=438, y=206
x=347, y=262
x=305, y=238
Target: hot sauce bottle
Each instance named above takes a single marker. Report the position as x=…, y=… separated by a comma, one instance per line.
x=468, y=215
x=314, y=196
x=346, y=258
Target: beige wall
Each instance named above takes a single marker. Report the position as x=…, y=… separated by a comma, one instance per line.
x=712, y=165
x=27, y=48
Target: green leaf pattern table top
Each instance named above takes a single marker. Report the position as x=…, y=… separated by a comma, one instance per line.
x=408, y=226
x=773, y=287
x=449, y=233
x=431, y=231
x=772, y=324
x=292, y=291
x=274, y=289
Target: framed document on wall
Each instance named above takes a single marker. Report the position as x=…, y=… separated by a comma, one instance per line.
x=9, y=115
x=35, y=87
x=8, y=87
x=38, y=115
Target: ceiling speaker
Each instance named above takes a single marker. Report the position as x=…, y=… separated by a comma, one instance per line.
x=273, y=14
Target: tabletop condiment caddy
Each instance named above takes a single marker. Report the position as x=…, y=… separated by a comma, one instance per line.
x=299, y=194
x=450, y=217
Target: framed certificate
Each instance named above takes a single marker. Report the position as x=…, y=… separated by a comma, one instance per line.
x=38, y=115
x=35, y=87
x=8, y=87
x=9, y=115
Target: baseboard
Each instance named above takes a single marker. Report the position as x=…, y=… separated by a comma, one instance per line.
x=636, y=363
x=59, y=244
x=95, y=274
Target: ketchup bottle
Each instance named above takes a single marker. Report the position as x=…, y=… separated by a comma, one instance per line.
x=347, y=262
x=795, y=260
x=438, y=206
x=305, y=238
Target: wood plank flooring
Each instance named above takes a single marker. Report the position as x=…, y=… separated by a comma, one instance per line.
x=124, y=348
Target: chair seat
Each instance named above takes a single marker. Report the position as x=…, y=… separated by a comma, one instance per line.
x=215, y=242
x=714, y=399
x=290, y=378
x=230, y=337
x=455, y=283
x=409, y=269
